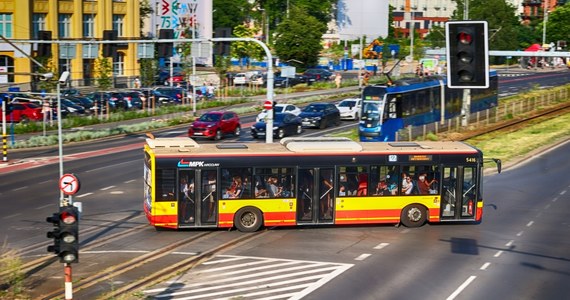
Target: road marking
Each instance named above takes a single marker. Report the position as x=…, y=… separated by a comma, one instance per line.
x=106, y=167
x=461, y=288
x=83, y=195
x=117, y=192
x=381, y=245
x=129, y=181
x=520, y=233
x=11, y=216
x=498, y=253
x=509, y=243
x=20, y=188
x=106, y=188
x=547, y=206
x=563, y=192
x=529, y=223
x=555, y=199
x=485, y=266
x=363, y=256
x=45, y=206
x=46, y=181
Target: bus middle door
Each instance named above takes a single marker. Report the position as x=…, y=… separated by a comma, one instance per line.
x=459, y=193
x=315, y=196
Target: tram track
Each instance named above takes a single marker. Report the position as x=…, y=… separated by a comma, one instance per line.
x=155, y=266
x=516, y=124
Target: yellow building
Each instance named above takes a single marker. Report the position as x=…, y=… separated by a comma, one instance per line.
x=68, y=20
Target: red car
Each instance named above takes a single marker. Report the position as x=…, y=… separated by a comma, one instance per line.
x=215, y=125
x=24, y=112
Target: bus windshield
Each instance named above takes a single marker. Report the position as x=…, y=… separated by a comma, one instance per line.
x=371, y=113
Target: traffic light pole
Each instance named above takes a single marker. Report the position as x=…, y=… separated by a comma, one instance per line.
x=68, y=281
x=4, y=136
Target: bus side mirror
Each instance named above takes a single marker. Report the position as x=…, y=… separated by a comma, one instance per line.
x=499, y=164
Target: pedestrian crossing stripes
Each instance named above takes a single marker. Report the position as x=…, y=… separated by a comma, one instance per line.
x=244, y=277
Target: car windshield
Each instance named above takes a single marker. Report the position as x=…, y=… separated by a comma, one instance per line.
x=314, y=108
x=347, y=103
x=210, y=118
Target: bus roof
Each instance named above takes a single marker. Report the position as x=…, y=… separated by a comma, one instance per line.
x=182, y=145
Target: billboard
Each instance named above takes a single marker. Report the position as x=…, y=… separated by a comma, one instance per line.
x=188, y=18
x=357, y=18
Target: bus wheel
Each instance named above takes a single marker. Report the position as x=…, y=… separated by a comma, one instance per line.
x=413, y=215
x=248, y=219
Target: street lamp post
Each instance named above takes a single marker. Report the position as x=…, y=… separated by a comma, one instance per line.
x=62, y=80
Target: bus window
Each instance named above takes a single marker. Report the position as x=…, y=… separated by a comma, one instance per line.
x=393, y=107
x=448, y=192
x=274, y=182
x=355, y=180
x=186, y=197
x=167, y=186
x=469, y=192
x=236, y=183
x=382, y=182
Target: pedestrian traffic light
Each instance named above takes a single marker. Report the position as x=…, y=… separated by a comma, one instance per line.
x=109, y=50
x=69, y=234
x=165, y=49
x=467, y=54
x=65, y=234
x=44, y=50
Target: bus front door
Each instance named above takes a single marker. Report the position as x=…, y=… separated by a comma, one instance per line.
x=459, y=193
x=187, y=198
x=315, y=196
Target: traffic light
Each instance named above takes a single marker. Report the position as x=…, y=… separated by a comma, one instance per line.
x=109, y=50
x=44, y=50
x=223, y=48
x=65, y=234
x=165, y=49
x=467, y=54
x=69, y=234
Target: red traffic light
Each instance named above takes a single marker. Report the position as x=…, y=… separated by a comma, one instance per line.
x=68, y=217
x=465, y=38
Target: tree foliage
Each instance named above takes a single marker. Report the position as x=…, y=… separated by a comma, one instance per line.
x=241, y=49
x=230, y=13
x=104, y=73
x=299, y=37
x=558, y=24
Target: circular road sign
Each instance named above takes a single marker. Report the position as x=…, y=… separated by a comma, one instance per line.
x=268, y=105
x=69, y=184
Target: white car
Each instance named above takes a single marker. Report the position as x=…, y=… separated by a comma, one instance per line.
x=241, y=79
x=280, y=108
x=350, y=108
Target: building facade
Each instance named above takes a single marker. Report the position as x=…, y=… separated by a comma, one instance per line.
x=67, y=20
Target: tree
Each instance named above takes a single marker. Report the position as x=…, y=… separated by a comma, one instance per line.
x=104, y=71
x=436, y=37
x=299, y=38
x=230, y=13
x=148, y=70
x=558, y=24
x=241, y=49
x=145, y=11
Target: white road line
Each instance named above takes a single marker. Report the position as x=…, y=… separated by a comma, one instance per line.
x=381, y=245
x=20, y=188
x=106, y=167
x=498, y=253
x=555, y=199
x=509, y=243
x=547, y=206
x=529, y=223
x=129, y=181
x=485, y=266
x=83, y=195
x=362, y=256
x=47, y=181
x=563, y=192
x=11, y=216
x=461, y=288
x=106, y=188
x=520, y=233
x=44, y=206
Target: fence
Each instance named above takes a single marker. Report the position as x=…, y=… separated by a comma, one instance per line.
x=506, y=110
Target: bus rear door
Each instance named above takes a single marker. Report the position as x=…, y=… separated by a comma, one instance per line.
x=459, y=193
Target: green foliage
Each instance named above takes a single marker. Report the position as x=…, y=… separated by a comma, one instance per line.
x=436, y=37
x=148, y=69
x=299, y=38
x=230, y=13
x=49, y=67
x=104, y=71
x=242, y=49
x=558, y=25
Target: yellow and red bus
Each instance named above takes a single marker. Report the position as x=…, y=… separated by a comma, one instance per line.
x=310, y=181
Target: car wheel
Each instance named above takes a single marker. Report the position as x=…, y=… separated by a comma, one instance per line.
x=24, y=119
x=218, y=135
x=280, y=133
x=237, y=131
x=254, y=135
x=337, y=122
x=356, y=117
x=323, y=124
x=299, y=129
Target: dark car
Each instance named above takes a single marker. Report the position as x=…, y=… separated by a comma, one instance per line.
x=177, y=93
x=283, y=124
x=101, y=101
x=69, y=108
x=135, y=99
x=320, y=115
x=81, y=100
x=215, y=124
x=313, y=75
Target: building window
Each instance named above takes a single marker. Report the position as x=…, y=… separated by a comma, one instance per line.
x=119, y=65
x=6, y=25
x=88, y=25
x=64, y=25
x=6, y=66
x=118, y=24
x=38, y=24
